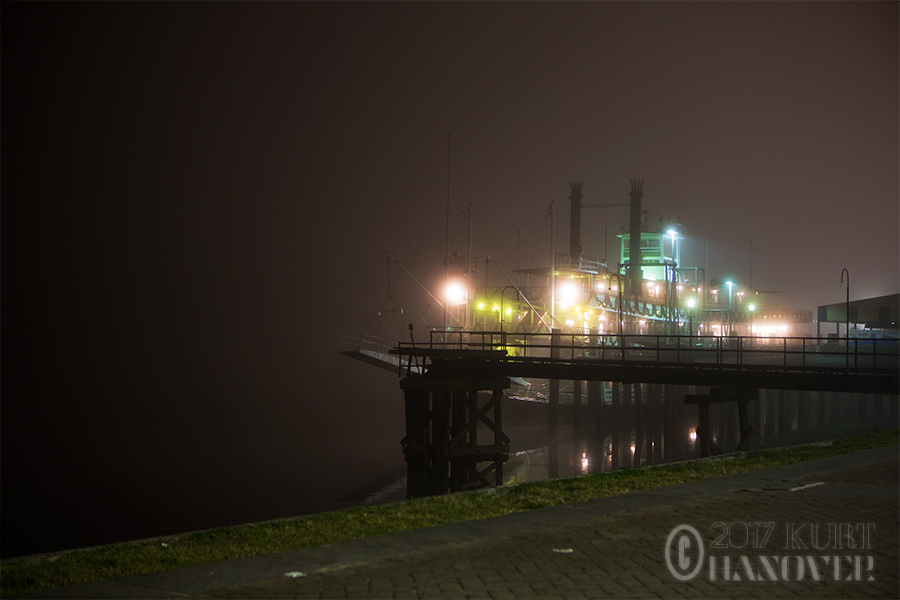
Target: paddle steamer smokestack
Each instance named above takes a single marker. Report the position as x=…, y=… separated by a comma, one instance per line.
x=575, y=248
x=636, y=276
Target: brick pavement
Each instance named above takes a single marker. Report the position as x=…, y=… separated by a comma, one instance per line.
x=611, y=547
x=622, y=555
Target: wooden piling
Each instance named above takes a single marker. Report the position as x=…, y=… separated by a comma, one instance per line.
x=704, y=435
x=553, y=419
x=613, y=422
x=416, y=443
x=472, y=466
x=441, y=443
x=500, y=440
x=638, y=455
x=719, y=395
x=771, y=413
x=576, y=409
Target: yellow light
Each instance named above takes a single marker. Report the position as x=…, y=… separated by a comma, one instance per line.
x=481, y=305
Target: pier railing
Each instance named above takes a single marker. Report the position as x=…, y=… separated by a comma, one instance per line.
x=367, y=342
x=849, y=355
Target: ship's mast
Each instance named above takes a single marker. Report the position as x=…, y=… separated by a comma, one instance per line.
x=635, y=275
x=575, y=248
x=469, y=279
x=447, y=253
x=552, y=270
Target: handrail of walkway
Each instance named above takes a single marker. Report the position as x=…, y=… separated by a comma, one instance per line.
x=367, y=342
x=848, y=355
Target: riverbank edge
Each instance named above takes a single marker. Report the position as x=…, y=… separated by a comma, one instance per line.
x=97, y=563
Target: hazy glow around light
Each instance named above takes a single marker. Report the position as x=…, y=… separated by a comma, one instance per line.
x=771, y=330
x=568, y=293
x=455, y=293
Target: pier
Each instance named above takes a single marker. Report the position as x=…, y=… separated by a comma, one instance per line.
x=812, y=364
x=442, y=378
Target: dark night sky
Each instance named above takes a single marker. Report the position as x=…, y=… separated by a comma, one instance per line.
x=197, y=199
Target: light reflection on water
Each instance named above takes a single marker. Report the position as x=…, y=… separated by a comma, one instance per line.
x=660, y=428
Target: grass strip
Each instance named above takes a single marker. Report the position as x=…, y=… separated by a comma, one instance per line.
x=269, y=537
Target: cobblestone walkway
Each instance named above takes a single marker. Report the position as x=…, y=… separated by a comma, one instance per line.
x=846, y=514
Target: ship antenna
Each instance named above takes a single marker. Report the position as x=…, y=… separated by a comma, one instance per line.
x=447, y=253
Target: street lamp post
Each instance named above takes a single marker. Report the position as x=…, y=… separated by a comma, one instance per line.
x=691, y=303
x=847, y=315
x=619, y=305
x=730, y=285
x=752, y=308
x=502, y=292
x=672, y=284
